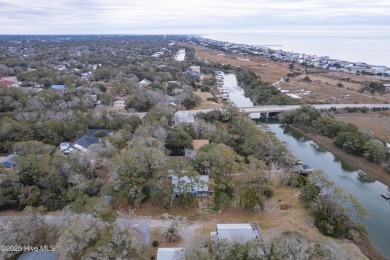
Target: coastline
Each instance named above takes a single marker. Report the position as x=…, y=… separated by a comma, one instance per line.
x=374, y=170
x=306, y=45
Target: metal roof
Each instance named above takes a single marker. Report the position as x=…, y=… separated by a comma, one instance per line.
x=236, y=232
x=89, y=139
x=58, y=87
x=184, y=117
x=171, y=254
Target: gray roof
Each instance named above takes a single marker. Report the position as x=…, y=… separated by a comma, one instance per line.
x=39, y=255
x=184, y=117
x=89, y=139
x=171, y=254
x=236, y=232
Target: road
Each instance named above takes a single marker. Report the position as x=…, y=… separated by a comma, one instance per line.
x=278, y=109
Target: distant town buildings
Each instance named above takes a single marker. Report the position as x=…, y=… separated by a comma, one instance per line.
x=323, y=62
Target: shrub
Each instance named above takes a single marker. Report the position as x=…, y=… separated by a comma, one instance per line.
x=155, y=243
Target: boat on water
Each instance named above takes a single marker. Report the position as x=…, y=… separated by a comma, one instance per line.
x=386, y=195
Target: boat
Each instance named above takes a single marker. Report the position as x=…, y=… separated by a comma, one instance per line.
x=386, y=195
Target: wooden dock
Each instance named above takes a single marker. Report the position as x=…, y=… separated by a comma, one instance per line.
x=386, y=195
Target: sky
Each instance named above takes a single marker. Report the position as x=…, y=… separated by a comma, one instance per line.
x=193, y=16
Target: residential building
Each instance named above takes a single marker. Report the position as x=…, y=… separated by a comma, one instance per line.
x=184, y=117
x=83, y=143
x=196, y=145
x=120, y=103
x=58, y=87
x=171, y=254
x=196, y=185
x=8, y=161
x=144, y=83
x=237, y=233
x=9, y=83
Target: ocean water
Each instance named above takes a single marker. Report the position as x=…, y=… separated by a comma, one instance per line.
x=373, y=49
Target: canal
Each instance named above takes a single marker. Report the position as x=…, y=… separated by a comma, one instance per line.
x=366, y=189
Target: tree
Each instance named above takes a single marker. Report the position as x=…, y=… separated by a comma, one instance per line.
x=236, y=251
x=197, y=247
x=27, y=229
x=190, y=100
x=128, y=182
x=173, y=224
x=290, y=245
x=374, y=151
x=177, y=140
x=150, y=153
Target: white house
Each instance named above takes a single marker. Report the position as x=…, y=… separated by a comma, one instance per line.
x=239, y=233
x=184, y=117
x=120, y=103
x=144, y=83
x=177, y=253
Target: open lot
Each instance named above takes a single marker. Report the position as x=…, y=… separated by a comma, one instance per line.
x=283, y=213
x=374, y=123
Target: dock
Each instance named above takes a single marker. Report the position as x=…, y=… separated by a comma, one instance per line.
x=386, y=195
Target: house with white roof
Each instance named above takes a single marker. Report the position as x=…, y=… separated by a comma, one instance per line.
x=144, y=83
x=237, y=233
x=177, y=253
x=184, y=117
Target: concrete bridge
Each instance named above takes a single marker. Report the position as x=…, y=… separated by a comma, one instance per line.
x=268, y=110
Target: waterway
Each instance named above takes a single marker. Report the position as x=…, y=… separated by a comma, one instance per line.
x=359, y=184
x=236, y=93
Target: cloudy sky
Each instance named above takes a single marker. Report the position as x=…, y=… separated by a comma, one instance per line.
x=192, y=16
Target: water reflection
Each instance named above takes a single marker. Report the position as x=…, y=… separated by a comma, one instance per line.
x=365, y=177
x=345, y=166
x=360, y=184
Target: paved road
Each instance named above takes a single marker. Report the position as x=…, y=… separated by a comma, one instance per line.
x=144, y=230
x=276, y=108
